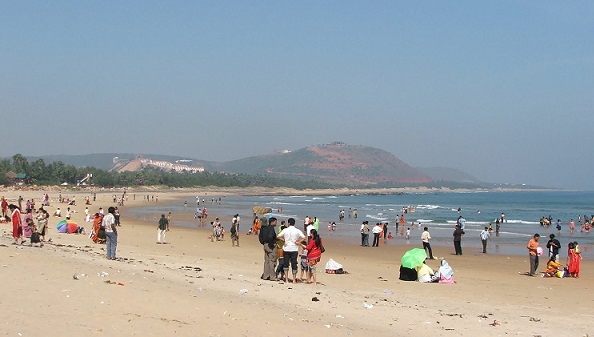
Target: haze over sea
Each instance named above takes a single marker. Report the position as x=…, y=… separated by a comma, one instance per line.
x=438, y=211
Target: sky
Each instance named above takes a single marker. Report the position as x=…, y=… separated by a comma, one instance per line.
x=502, y=90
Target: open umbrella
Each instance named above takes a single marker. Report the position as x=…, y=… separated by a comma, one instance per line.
x=63, y=228
x=413, y=258
x=72, y=227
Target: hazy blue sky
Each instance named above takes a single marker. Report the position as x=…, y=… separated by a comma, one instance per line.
x=503, y=90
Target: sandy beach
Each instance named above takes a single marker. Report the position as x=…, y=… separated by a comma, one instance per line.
x=194, y=287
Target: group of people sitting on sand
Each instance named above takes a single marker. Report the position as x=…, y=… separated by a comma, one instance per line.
x=425, y=274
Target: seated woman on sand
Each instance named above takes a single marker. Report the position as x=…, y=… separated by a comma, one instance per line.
x=425, y=274
x=445, y=274
x=58, y=213
x=552, y=268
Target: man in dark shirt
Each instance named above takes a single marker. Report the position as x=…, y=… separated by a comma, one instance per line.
x=458, y=233
x=553, y=245
x=267, y=237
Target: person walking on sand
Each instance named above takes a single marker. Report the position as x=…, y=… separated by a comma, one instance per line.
x=485, y=235
x=458, y=234
x=293, y=238
x=425, y=238
x=162, y=228
x=533, y=254
x=267, y=237
x=111, y=233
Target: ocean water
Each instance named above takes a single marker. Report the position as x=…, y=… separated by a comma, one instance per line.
x=438, y=211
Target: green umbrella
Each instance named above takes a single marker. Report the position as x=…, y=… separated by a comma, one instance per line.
x=413, y=258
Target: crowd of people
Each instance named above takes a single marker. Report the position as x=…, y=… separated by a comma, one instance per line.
x=281, y=250
x=554, y=267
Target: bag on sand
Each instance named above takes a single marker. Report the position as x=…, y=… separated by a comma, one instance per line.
x=333, y=267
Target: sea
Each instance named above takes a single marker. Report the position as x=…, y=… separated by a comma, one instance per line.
x=438, y=211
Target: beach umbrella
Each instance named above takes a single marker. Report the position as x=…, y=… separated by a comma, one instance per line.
x=60, y=224
x=261, y=210
x=413, y=258
x=72, y=227
x=63, y=228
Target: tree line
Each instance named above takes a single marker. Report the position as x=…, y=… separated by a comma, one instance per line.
x=39, y=173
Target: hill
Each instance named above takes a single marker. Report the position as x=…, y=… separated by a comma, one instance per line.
x=335, y=163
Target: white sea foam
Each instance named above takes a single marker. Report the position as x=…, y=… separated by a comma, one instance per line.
x=428, y=207
x=522, y=222
x=375, y=217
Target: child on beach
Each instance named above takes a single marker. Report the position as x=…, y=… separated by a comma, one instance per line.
x=303, y=263
x=407, y=236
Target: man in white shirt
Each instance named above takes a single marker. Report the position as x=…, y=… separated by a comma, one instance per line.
x=293, y=238
x=309, y=228
x=484, y=237
x=376, y=234
x=365, y=234
x=426, y=237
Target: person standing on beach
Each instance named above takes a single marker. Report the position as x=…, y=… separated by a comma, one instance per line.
x=458, y=233
x=533, y=254
x=17, y=222
x=425, y=238
x=365, y=234
x=162, y=228
x=111, y=233
x=267, y=237
x=553, y=245
x=571, y=226
x=485, y=235
x=377, y=230
x=235, y=231
x=293, y=238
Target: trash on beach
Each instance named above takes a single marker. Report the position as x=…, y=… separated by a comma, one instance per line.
x=243, y=291
x=339, y=316
x=102, y=274
x=315, y=299
x=76, y=277
x=367, y=305
x=388, y=291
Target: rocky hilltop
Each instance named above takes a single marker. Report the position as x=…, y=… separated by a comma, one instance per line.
x=336, y=163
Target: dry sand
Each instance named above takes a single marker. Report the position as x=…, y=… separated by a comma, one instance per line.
x=193, y=287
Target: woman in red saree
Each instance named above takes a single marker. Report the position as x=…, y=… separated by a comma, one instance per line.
x=17, y=222
x=574, y=258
